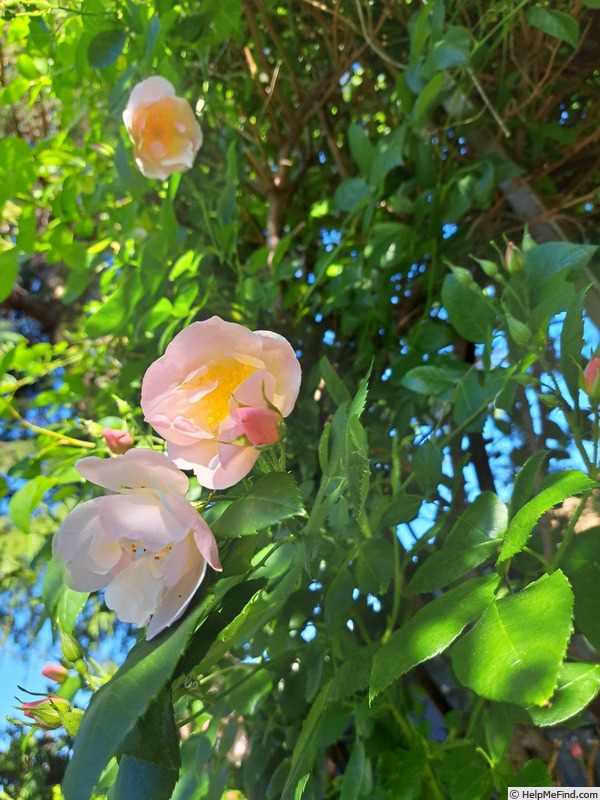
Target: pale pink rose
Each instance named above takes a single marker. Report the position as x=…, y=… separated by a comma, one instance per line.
x=216, y=395
x=117, y=441
x=146, y=544
x=165, y=134
x=55, y=672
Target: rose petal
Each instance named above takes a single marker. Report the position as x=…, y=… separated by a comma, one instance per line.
x=138, y=469
x=133, y=593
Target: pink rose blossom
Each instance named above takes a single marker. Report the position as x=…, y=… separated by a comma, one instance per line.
x=117, y=441
x=165, y=134
x=217, y=394
x=146, y=544
x=591, y=379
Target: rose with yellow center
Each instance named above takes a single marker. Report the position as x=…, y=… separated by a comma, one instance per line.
x=217, y=396
x=163, y=129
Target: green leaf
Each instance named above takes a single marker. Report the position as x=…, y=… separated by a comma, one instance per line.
x=428, y=97
x=582, y=567
x=353, y=774
x=429, y=380
x=9, y=269
x=534, y=773
x=115, y=708
x=554, y=23
x=375, y=566
x=471, y=542
x=521, y=526
x=578, y=684
x=469, y=311
x=150, y=760
x=70, y=603
x=271, y=499
x=431, y=630
x=553, y=258
x=335, y=385
x=427, y=466
x=452, y=50
x=361, y=149
x=27, y=499
x=305, y=750
x=106, y=47
x=513, y=653
x=116, y=311
x=351, y=193
x=358, y=464
x=138, y=777
x=389, y=153
x=525, y=482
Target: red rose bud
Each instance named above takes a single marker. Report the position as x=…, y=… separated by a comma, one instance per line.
x=591, y=379
x=55, y=672
x=46, y=712
x=514, y=258
x=261, y=425
x=118, y=442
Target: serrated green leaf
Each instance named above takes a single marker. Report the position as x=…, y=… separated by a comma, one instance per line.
x=431, y=630
x=335, y=385
x=513, y=653
x=521, y=527
x=272, y=499
x=471, y=542
x=305, y=750
x=578, y=684
x=525, y=482
x=357, y=464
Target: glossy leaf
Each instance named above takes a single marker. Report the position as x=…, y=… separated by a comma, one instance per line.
x=272, y=499
x=514, y=652
x=521, y=526
x=431, y=630
x=578, y=684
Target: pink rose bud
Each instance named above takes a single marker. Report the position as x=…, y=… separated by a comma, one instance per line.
x=591, y=379
x=47, y=711
x=55, y=672
x=261, y=425
x=165, y=134
x=117, y=441
x=514, y=258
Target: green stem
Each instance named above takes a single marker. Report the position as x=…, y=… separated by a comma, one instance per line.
x=63, y=439
x=397, y=592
